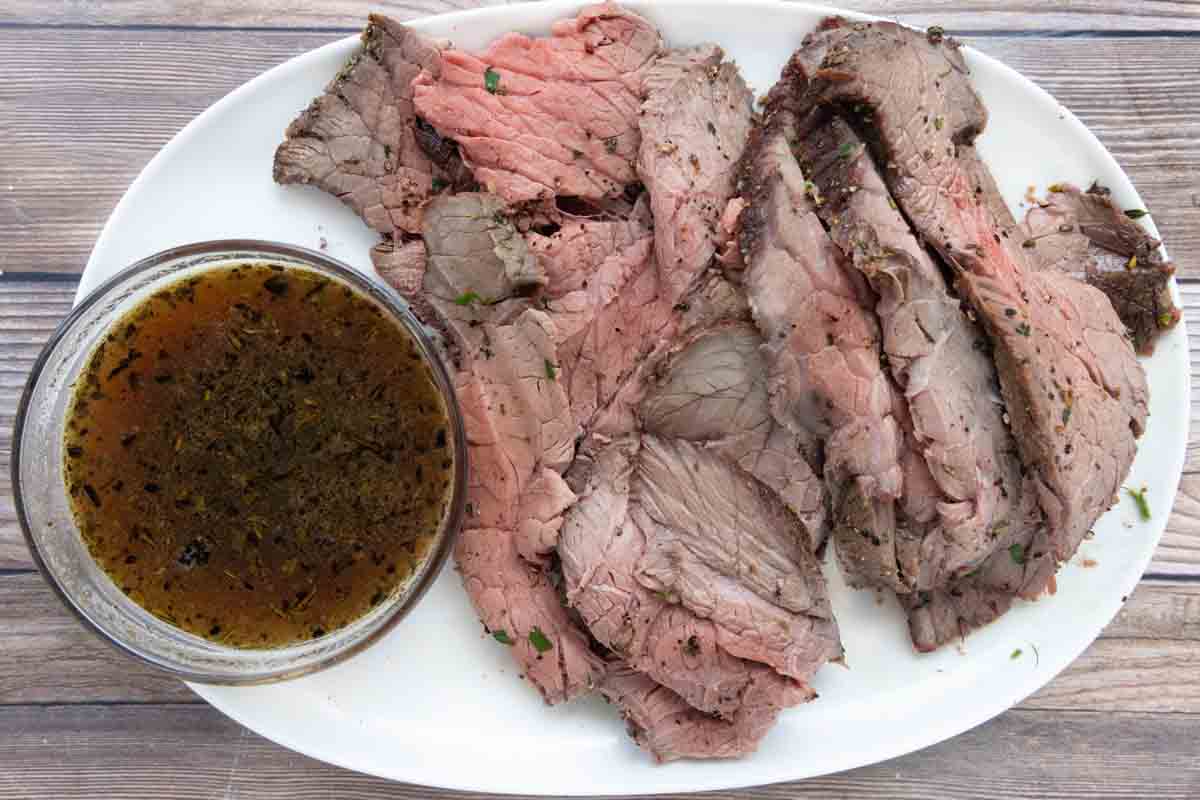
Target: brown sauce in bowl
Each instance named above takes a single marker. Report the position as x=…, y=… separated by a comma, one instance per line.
x=258, y=456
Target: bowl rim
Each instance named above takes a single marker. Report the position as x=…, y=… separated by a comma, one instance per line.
x=377, y=291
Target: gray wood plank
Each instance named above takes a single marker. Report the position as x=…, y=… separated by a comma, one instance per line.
x=78, y=133
x=193, y=752
x=1071, y=15
x=1148, y=659
x=1127, y=675
x=73, y=665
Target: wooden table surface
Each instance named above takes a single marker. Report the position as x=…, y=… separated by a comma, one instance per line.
x=92, y=89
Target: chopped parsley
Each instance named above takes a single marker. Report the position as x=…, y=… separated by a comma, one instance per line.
x=1136, y=213
x=845, y=150
x=1017, y=553
x=1166, y=319
x=1066, y=415
x=467, y=298
x=1016, y=654
x=938, y=122
x=551, y=370
x=1024, y=329
x=1139, y=499
x=503, y=638
x=539, y=640
x=438, y=184
x=491, y=80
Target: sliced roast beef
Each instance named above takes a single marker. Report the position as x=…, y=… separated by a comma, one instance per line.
x=520, y=606
x=401, y=265
x=579, y=255
x=539, y=117
x=604, y=295
x=1086, y=236
x=714, y=391
x=823, y=352
x=938, y=357
x=358, y=140
x=694, y=126
x=1071, y=382
x=1019, y=569
x=520, y=431
x=698, y=576
x=476, y=257
x=660, y=721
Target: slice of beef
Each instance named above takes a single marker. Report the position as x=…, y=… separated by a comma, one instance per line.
x=983, y=183
x=1071, y=382
x=601, y=548
x=1086, y=236
x=822, y=351
x=605, y=354
x=938, y=357
x=694, y=125
x=713, y=391
x=733, y=553
x=476, y=257
x=698, y=576
x=1018, y=569
x=513, y=496
x=603, y=293
x=520, y=431
x=402, y=266
x=712, y=300
x=545, y=499
x=540, y=117
x=515, y=597
x=660, y=721
x=575, y=256
x=358, y=140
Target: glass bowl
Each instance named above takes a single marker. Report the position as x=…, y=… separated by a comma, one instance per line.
x=44, y=510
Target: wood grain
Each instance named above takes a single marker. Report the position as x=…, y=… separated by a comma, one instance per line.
x=973, y=15
x=144, y=752
x=75, y=665
x=1127, y=675
x=1147, y=660
x=77, y=133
